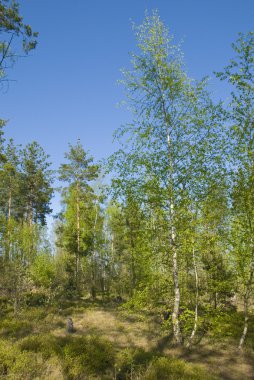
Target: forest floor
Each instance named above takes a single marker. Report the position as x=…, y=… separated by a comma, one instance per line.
x=134, y=331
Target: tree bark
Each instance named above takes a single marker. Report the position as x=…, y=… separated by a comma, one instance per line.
x=30, y=215
x=177, y=295
x=8, y=254
x=9, y=204
x=78, y=238
x=93, y=258
x=193, y=333
x=175, y=314
x=246, y=307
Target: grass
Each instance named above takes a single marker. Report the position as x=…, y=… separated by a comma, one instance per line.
x=110, y=343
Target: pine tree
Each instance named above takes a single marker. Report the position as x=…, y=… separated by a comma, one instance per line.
x=77, y=232
x=36, y=184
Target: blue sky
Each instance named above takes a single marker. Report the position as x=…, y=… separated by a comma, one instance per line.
x=66, y=89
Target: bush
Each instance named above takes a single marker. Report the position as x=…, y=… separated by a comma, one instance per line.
x=173, y=369
x=47, y=345
x=15, y=328
x=80, y=356
x=87, y=356
x=36, y=299
x=129, y=360
x=18, y=365
x=225, y=324
x=187, y=321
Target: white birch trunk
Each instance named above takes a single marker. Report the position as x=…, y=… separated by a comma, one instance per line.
x=246, y=308
x=177, y=296
x=193, y=333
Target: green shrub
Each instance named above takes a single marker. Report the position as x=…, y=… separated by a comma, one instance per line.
x=18, y=365
x=35, y=313
x=173, y=369
x=48, y=345
x=129, y=360
x=225, y=324
x=36, y=299
x=87, y=356
x=30, y=343
x=187, y=321
x=15, y=328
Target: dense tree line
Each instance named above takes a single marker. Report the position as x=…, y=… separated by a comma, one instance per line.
x=173, y=232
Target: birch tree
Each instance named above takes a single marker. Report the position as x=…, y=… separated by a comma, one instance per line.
x=168, y=146
x=240, y=75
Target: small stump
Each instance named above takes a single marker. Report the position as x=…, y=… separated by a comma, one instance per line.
x=69, y=326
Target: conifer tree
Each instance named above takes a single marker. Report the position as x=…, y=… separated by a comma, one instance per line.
x=79, y=198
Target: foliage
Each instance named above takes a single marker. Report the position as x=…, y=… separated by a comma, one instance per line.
x=15, y=328
x=130, y=361
x=174, y=369
x=77, y=232
x=84, y=356
x=174, y=237
x=12, y=28
x=15, y=364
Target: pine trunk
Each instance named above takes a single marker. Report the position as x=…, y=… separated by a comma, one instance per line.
x=78, y=239
x=8, y=254
x=9, y=204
